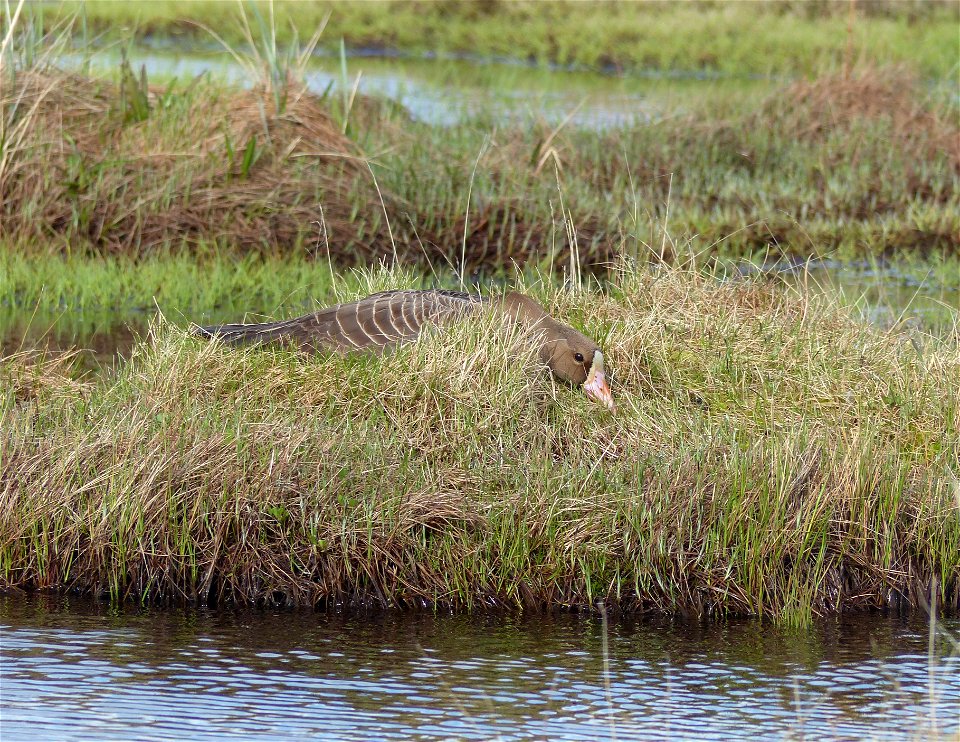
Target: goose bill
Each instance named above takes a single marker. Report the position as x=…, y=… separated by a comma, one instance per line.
x=596, y=385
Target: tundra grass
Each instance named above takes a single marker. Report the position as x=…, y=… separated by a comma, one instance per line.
x=727, y=37
x=102, y=304
x=770, y=456
x=792, y=175
x=864, y=162
x=859, y=166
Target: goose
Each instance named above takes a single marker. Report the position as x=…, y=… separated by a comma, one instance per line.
x=385, y=319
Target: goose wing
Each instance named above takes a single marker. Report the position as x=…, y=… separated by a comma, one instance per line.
x=375, y=322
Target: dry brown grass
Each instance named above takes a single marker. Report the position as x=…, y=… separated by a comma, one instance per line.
x=814, y=108
x=83, y=170
x=866, y=163
x=83, y=175
x=32, y=376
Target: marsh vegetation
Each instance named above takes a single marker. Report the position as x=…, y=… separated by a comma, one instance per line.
x=780, y=37
x=773, y=454
x=859, y=166
x=747, y=470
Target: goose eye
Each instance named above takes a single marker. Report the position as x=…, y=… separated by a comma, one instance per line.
x=578, y=357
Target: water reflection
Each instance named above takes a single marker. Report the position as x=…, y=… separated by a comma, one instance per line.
x=447, y=91
x=77, y=670
x=102, y=336
x=883, y=295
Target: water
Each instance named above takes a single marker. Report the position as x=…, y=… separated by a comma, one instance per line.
x=447, y=91
x=918, y=296
x=74, y=669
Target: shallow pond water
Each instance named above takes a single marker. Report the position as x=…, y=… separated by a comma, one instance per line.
x=445, y=91
x=75, y=669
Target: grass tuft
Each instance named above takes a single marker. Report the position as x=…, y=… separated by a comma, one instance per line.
x=810, y=171
x=770, y=456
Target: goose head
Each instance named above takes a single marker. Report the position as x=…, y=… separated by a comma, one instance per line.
x=570, y=355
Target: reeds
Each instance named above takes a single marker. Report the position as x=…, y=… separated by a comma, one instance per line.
x=770, y=456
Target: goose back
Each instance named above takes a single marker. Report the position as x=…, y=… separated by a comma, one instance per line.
x=373, y=323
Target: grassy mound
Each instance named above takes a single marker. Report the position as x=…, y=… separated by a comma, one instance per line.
x=126, y=167
x=770, y=456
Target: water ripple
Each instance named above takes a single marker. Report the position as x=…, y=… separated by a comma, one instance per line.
x=79, y=671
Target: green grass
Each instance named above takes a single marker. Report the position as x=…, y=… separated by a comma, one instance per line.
x=104, y=303
x=734, y=38
x=172, y=282
x=770, y=456
x=796, y=174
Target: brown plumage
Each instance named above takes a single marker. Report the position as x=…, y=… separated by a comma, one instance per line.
x=383, y=320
